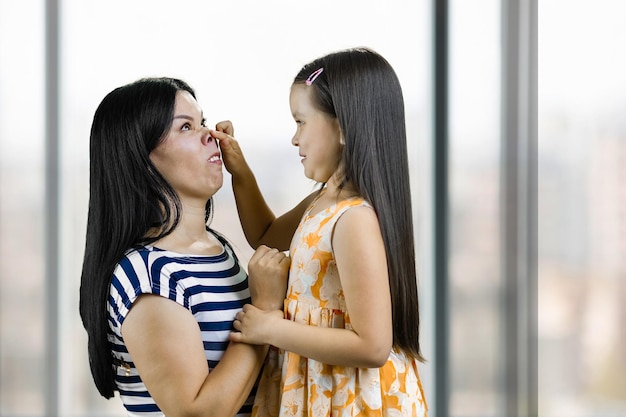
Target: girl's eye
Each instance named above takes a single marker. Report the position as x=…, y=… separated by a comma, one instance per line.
x=203, y=123
x=186, y=126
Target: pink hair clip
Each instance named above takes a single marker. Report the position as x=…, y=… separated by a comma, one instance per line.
x=313, y=76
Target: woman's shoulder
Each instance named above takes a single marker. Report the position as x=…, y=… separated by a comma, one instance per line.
x=133, y=266
x=141, y=264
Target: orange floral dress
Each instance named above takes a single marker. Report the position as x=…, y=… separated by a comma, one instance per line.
x=293, y=385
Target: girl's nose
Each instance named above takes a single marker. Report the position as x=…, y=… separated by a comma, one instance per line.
x=294, y=140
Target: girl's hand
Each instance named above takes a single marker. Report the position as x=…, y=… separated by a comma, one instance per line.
x=254, y=326
x=232, y=155
x=225, y=126
x=268, y=270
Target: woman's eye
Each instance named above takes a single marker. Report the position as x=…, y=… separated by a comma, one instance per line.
x=186, y=126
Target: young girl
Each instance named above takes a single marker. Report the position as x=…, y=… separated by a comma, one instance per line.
x=350, y=342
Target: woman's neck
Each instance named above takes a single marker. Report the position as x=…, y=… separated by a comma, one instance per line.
x=190, y=235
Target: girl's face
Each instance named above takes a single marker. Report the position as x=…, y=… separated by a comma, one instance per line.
x=188, y=158
x=317, y=136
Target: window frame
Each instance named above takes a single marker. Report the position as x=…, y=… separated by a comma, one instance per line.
x=519, y=208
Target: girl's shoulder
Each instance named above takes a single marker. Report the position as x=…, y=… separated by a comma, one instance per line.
x=356, y=212
x=340, y=208
x=324, y=220
x=333, y=204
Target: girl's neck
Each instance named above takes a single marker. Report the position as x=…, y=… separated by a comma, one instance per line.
x=333, y=193
x=335, y=188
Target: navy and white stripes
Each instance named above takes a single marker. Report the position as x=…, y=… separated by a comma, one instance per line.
x=212, y=288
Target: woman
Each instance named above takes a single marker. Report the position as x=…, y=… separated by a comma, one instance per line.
x=159, y=288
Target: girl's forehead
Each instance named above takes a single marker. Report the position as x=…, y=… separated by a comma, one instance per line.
x=300, y=96
x=299, y=89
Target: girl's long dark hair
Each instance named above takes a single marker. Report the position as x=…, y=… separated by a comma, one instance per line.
x=360, y=88
x=128, y=197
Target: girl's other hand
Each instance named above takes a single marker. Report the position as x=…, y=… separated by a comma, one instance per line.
x=268, y=270
x=254, y=326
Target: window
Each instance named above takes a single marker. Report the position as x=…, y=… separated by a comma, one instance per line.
x=71, y=53
x=475, y=247
x=22, y=212
x=582, y=210
x=238, y=56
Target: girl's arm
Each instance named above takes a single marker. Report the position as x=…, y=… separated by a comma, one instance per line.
x=166, y=345
x=260, y=225
x=362, y=265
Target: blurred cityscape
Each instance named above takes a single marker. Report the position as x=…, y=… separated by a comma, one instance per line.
x=582, y=269
x=582, y=247
x=581, y=185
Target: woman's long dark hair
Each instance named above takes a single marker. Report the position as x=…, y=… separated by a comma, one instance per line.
x=128, y=197
x=360, y=88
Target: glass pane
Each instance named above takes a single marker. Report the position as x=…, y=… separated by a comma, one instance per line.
x=241, y=60
x=22, y=205
x=474, y=161
x=582, y=209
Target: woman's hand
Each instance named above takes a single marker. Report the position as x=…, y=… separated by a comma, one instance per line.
x=254, y=326
x=268, y=271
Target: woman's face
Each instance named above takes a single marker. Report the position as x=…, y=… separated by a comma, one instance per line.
x=317, y=136
x=189, y=158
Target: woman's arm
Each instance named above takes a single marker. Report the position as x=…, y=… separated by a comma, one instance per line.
x=362, y=265
x=260, y=225
x=165, y=343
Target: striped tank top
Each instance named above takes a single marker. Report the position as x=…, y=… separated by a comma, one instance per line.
x=212, y=288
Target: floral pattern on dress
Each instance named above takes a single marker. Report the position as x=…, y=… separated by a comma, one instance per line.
x=292, y=385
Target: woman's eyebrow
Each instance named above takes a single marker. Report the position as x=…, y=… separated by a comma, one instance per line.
x=183, y=116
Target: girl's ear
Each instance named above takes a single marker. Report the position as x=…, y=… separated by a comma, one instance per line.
x=342, y=140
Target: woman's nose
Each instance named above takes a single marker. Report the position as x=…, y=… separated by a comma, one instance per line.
x=294, y=140
x=207, y=139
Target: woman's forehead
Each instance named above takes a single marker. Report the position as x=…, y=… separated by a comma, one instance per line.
x=186, y=104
